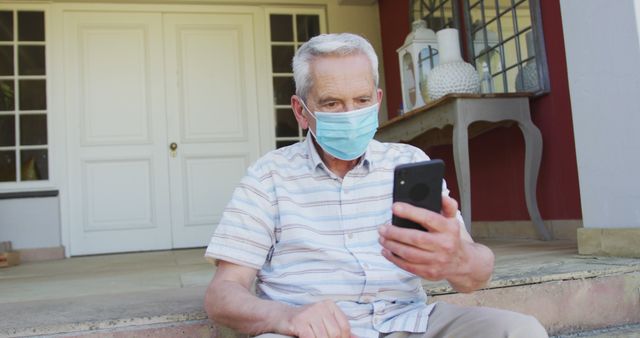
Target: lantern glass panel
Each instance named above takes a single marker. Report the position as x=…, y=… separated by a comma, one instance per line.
x=428, y=59
x=409, y=81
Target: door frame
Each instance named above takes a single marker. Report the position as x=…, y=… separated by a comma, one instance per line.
x=61, y=123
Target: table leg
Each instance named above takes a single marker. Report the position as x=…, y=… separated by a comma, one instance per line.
x=461, y=161
x=533, y=156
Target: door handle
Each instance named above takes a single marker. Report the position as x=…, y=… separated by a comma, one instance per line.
x=173, y=147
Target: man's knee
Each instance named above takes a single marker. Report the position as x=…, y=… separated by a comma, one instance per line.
x=518, y=325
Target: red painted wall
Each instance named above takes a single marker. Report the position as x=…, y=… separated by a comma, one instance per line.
x=497, y=157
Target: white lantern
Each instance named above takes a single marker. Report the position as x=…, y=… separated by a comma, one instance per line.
x=417, y=57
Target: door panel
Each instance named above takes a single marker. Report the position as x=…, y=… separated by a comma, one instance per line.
x=206, y=189
x=212, y=76
x=119, y=194
x=115, y=85
x=119, y=191
x=212, y=114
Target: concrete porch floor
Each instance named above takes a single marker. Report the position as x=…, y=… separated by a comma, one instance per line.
x=113, y=291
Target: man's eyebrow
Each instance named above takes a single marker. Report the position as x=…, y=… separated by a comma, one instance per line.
x=324, y=100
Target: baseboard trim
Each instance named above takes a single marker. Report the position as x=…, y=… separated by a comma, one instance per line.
x=41, y=254
x=560, y=229
x=620, y=242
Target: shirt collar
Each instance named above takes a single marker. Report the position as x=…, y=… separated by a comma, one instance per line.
x=315, y=160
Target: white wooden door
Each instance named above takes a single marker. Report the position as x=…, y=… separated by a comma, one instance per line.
x=137, y=82
x=212, y=106
x=116, y=132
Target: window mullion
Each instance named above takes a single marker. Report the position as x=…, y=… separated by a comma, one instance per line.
x=16, y=98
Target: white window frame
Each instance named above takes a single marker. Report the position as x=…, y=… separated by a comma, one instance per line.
x=321, y=12
x=40, y=185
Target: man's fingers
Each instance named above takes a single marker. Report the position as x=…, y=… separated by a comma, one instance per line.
x=428, y=219
x=409, y=253
x=331, y=327
x=449, y=207
x=343, y=322
x=428, y=271
x=420, y=239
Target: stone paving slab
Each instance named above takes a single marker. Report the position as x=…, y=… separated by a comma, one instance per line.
x=53, y=316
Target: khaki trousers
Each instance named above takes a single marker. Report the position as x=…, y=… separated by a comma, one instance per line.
x=453, y=321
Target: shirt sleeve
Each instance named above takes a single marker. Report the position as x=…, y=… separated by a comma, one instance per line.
x=245, y=233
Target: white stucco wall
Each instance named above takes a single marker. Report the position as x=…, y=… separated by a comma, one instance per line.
x=30, y=223
x=602, y=41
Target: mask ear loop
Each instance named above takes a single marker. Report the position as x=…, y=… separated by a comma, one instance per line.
x=306, y=108
x=310, y=113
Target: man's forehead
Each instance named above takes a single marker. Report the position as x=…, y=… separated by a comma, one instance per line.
x=333, y=75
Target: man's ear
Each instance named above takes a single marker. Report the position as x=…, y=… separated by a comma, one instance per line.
x=298, y=111
x=379, y=94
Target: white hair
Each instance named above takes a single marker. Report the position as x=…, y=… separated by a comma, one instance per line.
x=342, y=44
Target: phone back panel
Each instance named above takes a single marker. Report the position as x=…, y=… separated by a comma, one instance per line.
x=418, y=184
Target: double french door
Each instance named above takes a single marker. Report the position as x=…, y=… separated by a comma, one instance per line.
x=162, y=121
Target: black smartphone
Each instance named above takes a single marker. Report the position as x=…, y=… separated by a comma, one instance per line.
x=418, y=184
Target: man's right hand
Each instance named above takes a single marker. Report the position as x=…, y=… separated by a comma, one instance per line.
x=320, y=320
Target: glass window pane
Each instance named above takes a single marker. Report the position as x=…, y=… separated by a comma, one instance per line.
x=7, y=95
x=33, y=129
x=281, y=57
x=7, y=130
x=33, y=95
x=35, y=165
x=283, y=88
x=7, y=166
x=506, y=23
x=281, y=27
x=286, y=124
x=280, y=144
x=31, y=26
x=504, y=4
x=6, y=60
x=6, y=26
x=448, y=15
x=512, y=74
x=510, y=53
x=493, y=39
x=308, y=26
x=31, y=60
x=489, y=10
x=498, y=84
x=475, y=15
x=523, y=15
x=527, y=48
x=509, y=30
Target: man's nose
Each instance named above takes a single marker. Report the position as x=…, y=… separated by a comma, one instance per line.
x=350, y=107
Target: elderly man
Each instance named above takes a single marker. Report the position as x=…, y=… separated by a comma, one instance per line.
x=312, y=223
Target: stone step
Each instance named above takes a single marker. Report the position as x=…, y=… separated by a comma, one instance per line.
x=567, y=305
x=566, y=292
x=625, y=331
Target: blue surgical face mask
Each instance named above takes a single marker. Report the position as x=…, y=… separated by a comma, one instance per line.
x=345, y=135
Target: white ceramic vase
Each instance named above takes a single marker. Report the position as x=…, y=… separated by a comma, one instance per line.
x=452, y=74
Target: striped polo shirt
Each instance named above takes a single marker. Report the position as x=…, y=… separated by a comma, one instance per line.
x=313, y=236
